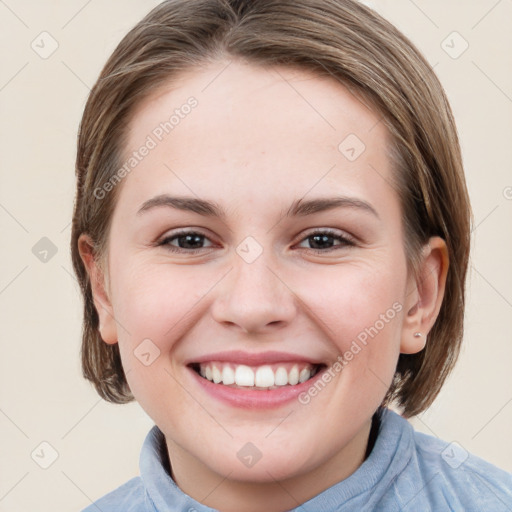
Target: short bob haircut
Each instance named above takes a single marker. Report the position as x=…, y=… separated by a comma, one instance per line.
x=340, y=38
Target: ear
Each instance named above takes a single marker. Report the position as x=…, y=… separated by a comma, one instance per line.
x=107, y=324
x=425, y=296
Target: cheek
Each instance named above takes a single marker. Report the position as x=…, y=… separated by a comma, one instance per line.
x=356, y=297
x=360, y=310
x=360, y=307
x=155, y=306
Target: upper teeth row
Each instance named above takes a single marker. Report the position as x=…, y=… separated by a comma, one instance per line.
x=261, y=376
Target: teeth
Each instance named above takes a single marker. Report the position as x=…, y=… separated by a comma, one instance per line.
x=217, y=376
x=261, y=377
x=281, y=377
x=304, y=375
x=293, y=377
x=244, y=376
x=228, y=375
x=264, y=377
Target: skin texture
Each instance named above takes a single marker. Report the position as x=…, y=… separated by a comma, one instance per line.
x=259, y=139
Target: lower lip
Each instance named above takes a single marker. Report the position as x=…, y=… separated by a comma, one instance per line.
x=255, y=399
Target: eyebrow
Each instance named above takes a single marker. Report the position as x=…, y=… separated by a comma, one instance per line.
x=299, y=208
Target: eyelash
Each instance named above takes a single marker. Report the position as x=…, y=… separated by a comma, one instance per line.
x=345, y=241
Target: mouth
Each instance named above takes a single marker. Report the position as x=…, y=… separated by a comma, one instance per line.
x=266, y=377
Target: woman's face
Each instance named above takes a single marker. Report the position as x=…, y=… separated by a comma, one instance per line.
x=268, y=286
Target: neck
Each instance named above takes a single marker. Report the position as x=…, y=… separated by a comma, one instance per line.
x=226, y=494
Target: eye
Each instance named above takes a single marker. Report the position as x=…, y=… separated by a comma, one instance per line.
x=322, y=240
x=192, y=241
x=187, y=241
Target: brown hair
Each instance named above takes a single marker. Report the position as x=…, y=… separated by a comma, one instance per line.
x=341, y=38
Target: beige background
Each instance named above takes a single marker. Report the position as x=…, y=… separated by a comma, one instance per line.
x=42, y=395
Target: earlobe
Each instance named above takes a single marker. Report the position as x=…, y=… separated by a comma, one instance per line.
x=413, y=344
x=425, y=298
x=107, y=325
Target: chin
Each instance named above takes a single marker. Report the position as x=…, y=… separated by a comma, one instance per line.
x=251, y=465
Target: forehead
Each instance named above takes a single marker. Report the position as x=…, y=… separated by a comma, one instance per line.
x=237, y=127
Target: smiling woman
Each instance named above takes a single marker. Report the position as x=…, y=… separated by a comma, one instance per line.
x=281, y=266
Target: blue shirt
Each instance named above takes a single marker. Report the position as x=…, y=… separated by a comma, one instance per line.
x=405, y=471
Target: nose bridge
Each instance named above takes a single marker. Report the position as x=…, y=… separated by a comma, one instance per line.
x=253, y=296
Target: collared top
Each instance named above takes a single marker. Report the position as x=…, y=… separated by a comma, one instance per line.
x=405, y=471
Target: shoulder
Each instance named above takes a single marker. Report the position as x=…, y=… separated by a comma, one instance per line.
x=428, y=474
x=129, y=497
x=462, y=480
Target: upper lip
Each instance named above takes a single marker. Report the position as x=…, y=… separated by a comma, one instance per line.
x=254, y=359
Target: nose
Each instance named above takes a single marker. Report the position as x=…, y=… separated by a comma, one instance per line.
x=253, y=297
